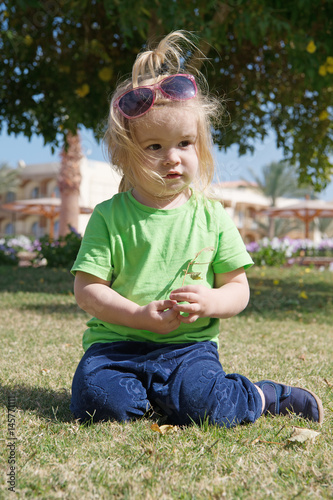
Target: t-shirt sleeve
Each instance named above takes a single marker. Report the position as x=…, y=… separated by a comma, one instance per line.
x=94, y=256
x=231, y=253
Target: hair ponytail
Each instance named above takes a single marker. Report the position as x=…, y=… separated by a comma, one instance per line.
x=171, y=53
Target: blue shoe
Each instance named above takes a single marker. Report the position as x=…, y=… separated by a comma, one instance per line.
x=282, y=399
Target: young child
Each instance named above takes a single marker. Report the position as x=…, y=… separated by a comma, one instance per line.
x=160, y=264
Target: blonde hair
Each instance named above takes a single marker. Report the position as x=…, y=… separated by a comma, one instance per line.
x=124, y=152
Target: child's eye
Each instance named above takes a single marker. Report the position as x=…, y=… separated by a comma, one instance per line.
x=184, y=144
x=154, y=147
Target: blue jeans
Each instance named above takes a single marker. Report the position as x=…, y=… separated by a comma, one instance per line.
x=123, y=380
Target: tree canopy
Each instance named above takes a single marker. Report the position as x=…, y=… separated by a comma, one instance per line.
x=271, y=60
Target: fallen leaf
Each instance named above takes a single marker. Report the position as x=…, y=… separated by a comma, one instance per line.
x=302, y=356
x=259, y=440
x=164, y=429
x=300, y=435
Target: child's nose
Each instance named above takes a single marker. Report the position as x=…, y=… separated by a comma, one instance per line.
x=171, y=157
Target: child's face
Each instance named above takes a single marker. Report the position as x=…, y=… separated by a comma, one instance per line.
x=168, y=135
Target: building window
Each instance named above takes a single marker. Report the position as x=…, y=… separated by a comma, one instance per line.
x=56, y=229
x=9, y=229
x=36, y=230
x=56, y=192
x=240, y=219
x=10, y=196
x=35, y=192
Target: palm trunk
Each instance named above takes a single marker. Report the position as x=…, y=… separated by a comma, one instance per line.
x=69, y=181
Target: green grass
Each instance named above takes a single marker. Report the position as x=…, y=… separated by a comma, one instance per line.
x=286, y=333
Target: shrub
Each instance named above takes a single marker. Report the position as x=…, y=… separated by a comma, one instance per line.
x=61, y=252
x=278, y=252
x=268, y=252
x=8, y=256
x=11, y=246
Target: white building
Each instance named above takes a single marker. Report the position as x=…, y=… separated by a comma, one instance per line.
x=99, y=182
x=243, y=200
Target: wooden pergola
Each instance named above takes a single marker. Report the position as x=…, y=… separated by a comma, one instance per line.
x=306, y=210
x=47, y=207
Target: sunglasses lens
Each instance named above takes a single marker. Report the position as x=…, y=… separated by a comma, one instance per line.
x=179, y=87
x=136, y=102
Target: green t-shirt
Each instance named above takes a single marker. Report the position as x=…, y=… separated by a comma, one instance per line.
x=145, y=251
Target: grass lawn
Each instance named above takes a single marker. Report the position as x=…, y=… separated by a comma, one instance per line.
x=286, y=334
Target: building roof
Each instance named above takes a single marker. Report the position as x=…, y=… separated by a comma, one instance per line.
x=242, y=192
x=240, y=183
x=40, y=170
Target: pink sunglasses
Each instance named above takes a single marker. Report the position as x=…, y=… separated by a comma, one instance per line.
x=138, y=101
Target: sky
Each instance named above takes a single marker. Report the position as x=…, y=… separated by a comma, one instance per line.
x=230, y=165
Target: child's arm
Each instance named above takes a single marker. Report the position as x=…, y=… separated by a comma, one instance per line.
x=228, y=298
x=95, y=296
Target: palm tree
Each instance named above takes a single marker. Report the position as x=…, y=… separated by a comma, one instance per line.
x=9, y=178
x=69, y=181
x=326, y=227
x=281, y=227
x=278, y=179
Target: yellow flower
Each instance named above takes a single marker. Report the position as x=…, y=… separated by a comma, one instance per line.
x=276, y=282
x=311, y=48
x=303, y=295
x=322, y=70
x=28, y=40
x=83, y=90
x=323, y=115
x=327, y=67
x=105, y=74
x=64, y=69
x=80, y=76
x=307, y=270
x=95, y=44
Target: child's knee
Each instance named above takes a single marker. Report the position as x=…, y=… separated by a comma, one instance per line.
x=207, y=392
x=198, y=383
x=108, y=396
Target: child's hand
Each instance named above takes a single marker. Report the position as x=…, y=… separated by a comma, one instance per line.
x=159, y=317
x=199, y=298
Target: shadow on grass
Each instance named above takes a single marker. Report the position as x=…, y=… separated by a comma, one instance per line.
x=36, y=280
x=46, y=403
x=53, y=308
x=313, y=299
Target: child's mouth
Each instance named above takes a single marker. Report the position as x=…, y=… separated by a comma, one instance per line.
x=173, y=176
